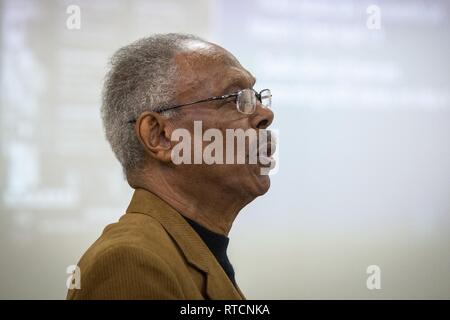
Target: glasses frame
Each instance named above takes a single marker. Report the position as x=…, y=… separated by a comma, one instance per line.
x=223, y=97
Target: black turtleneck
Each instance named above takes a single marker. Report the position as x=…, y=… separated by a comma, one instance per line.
x=217, y=244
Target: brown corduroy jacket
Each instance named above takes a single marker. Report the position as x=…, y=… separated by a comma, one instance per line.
x=151, y=253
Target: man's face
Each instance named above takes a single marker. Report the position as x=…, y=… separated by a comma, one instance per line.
x=206, y=71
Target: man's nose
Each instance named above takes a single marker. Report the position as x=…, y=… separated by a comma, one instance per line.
x=262, y=117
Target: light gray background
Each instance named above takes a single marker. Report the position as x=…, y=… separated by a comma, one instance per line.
x=364, y=131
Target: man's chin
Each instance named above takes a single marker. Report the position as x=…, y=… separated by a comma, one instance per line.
x=262, y=183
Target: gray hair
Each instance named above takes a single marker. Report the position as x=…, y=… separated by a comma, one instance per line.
x=141, y=78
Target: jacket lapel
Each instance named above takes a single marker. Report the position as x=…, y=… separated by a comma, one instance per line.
x=218, y=285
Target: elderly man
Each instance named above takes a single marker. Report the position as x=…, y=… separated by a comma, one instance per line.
x=171, y=243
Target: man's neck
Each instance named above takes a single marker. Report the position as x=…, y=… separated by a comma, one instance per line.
x=207, y=205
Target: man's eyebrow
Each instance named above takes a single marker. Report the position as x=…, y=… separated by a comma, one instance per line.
x=238, y=83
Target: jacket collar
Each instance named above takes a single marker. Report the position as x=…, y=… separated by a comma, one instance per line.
x=194, y=249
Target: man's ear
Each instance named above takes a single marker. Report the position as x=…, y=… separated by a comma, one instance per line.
x=154, y=132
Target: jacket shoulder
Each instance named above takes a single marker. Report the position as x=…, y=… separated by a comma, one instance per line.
x=131, y=259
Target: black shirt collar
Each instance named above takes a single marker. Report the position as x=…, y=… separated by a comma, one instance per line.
x=217, y=244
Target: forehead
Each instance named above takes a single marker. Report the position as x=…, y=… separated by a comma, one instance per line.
x=208, y=67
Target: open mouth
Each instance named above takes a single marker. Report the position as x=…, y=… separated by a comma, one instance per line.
x=261, y=150
x=266, y=150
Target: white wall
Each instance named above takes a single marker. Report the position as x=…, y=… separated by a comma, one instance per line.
x=364, y=131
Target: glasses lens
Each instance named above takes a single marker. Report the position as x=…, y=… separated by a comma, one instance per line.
x=246, y=102
x=266, y=98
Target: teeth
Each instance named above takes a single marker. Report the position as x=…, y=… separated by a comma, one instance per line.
x=267, y=161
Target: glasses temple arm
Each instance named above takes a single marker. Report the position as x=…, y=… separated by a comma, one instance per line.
x=191, y=103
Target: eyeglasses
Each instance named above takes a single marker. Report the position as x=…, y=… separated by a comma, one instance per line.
x=245, y=101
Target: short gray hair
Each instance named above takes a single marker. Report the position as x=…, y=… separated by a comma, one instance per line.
x=141, y=77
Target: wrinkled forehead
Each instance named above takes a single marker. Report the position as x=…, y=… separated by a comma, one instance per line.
x=205, y=68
